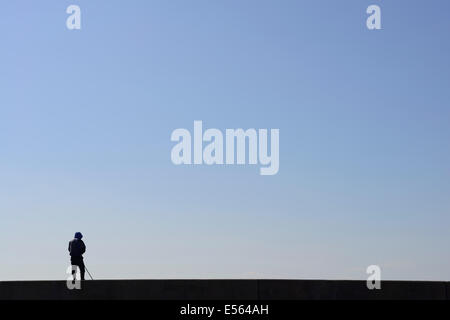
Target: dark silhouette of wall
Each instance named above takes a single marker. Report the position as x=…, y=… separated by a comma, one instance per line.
x=223, y=290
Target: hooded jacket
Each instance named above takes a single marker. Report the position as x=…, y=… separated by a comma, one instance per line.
x=77, y=246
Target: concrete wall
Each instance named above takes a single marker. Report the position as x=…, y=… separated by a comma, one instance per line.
x=223, y=290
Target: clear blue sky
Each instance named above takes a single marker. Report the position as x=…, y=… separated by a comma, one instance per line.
x=86, y=118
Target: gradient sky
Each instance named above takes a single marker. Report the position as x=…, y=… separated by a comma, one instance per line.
x=86, y=118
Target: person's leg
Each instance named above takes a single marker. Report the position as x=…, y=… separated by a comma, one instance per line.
x=73, y=263
x=77, y=262
x=82, y=269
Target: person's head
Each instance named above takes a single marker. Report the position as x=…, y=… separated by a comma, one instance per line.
x=78, y=235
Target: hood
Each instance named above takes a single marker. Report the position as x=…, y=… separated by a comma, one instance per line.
x=78, y=235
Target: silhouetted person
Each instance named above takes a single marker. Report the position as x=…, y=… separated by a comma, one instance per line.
x=76, y=249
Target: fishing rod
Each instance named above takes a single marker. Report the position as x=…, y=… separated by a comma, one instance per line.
x=88, y=272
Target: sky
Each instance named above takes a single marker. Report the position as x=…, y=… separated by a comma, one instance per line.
x=86, y=118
